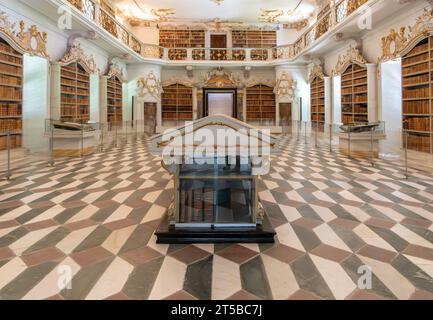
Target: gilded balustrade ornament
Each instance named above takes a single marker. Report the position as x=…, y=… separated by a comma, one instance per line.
x=77, y=54
x=344, y=61
x=150, y=85
x=285, y=87
x=397, y=44
x=29, y=41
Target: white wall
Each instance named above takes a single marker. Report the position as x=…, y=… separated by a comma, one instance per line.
x=35, y=103
x=337, y=99
x=149, y=35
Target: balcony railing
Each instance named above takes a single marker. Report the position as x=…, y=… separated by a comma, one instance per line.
x=341, y=10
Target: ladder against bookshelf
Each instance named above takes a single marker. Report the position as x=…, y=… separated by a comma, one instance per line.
x=74, y=93
x=260, y=103
x=11, y=95
x=114, y=100
x=318, y=102
x=416, y=93
x=354, y=94
x=177, y=103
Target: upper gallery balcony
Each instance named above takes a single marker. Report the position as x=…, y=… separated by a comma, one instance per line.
x=328, y=20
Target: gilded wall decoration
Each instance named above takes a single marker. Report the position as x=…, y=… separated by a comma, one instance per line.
x=344, y=61
x=77, y=54
x=316, y=71
x=271, y=15
x=150, y=85
x=24, y=40
x=285, y=87
x=220, y=78
x=116, y=71
x=298, y=25
x=397, y=44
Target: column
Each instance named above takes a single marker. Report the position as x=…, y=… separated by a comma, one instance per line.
x=194, y=103
x=328, y=101
x=95, y=114
x=55, y=97
x=372, y=92
x=103, y=100
x=244, y=105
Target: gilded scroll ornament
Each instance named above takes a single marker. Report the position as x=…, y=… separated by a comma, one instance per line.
x=397, y=44
x=344, y=61
x=24, y=40
x=77, y=54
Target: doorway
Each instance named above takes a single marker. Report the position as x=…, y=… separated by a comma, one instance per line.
x=220, y=101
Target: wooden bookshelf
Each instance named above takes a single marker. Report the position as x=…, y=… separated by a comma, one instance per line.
x=257, y=39
x=354, y=95
x=181, y=39
x=318, y=102
x=260, y=103
x=74, y=93
x=177, y=103
x=417, y=68
x=11, y=95
x=114, y=100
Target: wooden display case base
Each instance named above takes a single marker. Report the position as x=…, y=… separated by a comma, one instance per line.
x=168, y=234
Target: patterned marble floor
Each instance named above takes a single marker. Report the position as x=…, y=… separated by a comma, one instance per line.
x=94, y=221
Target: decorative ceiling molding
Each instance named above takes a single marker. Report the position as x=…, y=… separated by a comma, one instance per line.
x=397, y=44
x=150, y=85
x=116, y=71
x=271, y=15
x=285, y=87
x=24, y=40
x=316, y=71
x=164, y=15
x=298, y=25
x=352, y=56
x=77, y=55
x=218, y=2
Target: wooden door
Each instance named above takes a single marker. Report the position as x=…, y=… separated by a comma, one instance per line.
x=218, y=41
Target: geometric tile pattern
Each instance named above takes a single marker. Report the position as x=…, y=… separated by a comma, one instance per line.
x=93, y=221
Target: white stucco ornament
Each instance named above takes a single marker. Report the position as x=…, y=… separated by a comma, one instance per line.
x=285, y=87
x=150, y=85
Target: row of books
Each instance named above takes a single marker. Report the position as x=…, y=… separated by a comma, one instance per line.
x=417, y=92
x=15, y=141
x=10, y=93
x=418, y=142
x=416, y=79
x=73, y=110
x=10, y=125
x=7, y=48
x=420, y=107
x=419, y=58
x=423, y=67
x=11, y=69
x=75, y=100
x=417, y=123
x=10, y=59
x=10, y=109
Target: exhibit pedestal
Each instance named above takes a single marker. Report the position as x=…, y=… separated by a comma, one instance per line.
x=169, y=234
x=362, y=144
x=68, y=143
